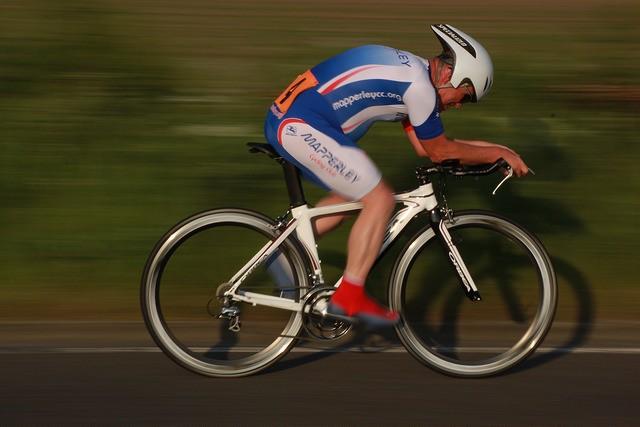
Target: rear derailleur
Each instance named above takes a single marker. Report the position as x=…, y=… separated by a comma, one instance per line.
x=230, y=310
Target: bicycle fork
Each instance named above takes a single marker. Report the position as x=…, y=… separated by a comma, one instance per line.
x=437, y=222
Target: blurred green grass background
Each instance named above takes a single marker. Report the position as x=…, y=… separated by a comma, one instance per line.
x=119, y=118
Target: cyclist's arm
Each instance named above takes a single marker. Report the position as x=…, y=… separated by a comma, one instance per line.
x=442, y=148
x=485, y=144
x=413, y=138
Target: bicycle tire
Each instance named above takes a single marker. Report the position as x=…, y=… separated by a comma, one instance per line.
x=444, y=330
x=180, y=281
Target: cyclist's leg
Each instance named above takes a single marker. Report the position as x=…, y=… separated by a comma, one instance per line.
x=364, y=245
x=329, y=157
x=327, y=223
x=368, y=231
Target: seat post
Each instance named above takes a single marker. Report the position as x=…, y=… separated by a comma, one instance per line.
x=291, y=173
x=294, y=185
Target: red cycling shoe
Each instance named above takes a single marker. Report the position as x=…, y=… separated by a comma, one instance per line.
x=351, y=301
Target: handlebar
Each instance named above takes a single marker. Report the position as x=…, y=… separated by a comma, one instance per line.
x=453, y=167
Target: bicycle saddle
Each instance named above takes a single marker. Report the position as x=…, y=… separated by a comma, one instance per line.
x=258, y=147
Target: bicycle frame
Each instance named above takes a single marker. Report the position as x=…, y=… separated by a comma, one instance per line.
x=284, y=259
x=422, y=199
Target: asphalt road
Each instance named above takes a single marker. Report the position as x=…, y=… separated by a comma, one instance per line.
x=135, y=388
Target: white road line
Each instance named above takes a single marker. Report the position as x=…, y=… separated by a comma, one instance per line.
x=101, y=350
x=48, y=324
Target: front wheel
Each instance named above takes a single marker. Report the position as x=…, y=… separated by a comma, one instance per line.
x=442, y=328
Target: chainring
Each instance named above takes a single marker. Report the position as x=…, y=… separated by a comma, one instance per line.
x=314, y=319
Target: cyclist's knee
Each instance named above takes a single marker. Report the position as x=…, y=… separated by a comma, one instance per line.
x=380, y=198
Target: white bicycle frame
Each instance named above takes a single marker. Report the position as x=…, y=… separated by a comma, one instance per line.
x=416, y=201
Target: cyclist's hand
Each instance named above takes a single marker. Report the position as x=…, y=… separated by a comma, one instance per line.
x=518, y=165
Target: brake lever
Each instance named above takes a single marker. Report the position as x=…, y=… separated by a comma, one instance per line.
x=508, y=176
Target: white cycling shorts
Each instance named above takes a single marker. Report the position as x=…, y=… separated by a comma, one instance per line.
x=328, y=157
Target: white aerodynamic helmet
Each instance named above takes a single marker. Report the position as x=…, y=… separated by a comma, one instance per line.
x=471, y=62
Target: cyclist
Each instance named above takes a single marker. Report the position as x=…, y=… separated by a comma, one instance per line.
x=316, y=123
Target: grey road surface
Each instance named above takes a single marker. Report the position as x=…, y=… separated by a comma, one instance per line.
x=135, y=388
x=111, y=373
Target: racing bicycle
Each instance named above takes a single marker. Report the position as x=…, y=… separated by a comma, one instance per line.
x=228, y=292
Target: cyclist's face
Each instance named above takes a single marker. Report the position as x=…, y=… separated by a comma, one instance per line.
x=451, y=97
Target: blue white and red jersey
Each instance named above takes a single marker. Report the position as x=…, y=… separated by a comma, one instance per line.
x=378, y=83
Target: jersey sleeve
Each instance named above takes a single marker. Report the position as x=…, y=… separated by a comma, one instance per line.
x=430, y=128
x=422, y=107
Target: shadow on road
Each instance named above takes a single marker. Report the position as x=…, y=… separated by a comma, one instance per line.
x=584, y=319
x=360, y=340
